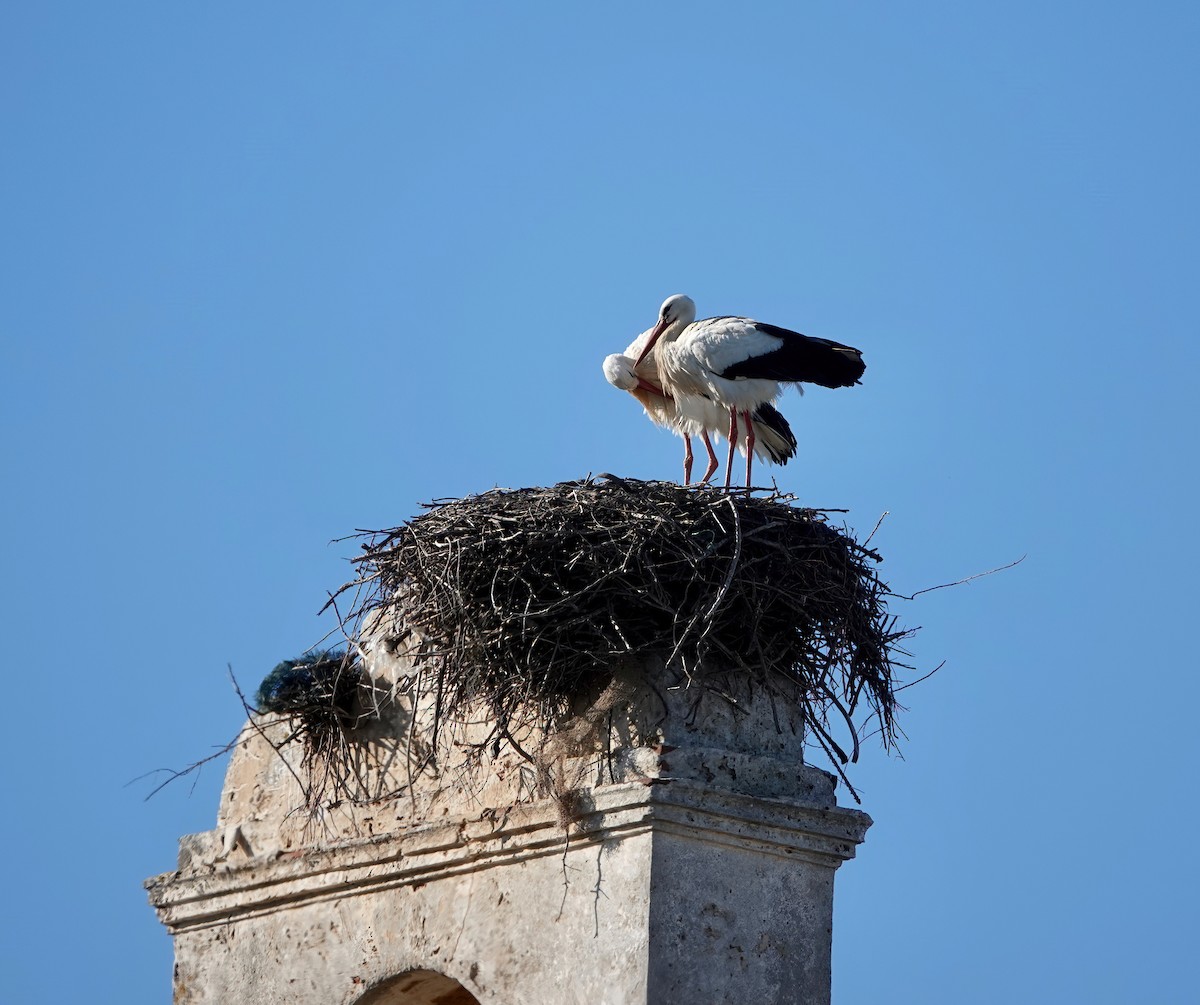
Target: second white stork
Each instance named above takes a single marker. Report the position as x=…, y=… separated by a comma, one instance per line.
x=739, y=364
x=770, y=435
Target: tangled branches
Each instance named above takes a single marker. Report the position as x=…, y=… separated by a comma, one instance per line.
x=521, y=600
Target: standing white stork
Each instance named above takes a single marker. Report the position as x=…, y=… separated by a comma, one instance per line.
x=770, y=434
x=739, y=364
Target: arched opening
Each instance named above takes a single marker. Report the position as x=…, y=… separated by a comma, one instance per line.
x=419, y=987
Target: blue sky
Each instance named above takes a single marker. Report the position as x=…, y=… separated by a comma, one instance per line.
x=273, y=272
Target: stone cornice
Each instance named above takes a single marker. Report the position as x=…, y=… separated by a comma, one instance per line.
x=215, y=895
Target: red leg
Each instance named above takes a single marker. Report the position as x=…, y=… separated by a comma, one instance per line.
x=713, y=463
x=749, y=446
x=732, y=445
x=687, y=460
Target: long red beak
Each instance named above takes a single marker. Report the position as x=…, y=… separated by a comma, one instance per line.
x=645, y=385
x=658, y=330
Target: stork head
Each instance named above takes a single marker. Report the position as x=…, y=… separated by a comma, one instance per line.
x=674, y=316
x=619, y=371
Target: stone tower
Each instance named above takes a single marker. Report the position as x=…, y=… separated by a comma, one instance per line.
x=666, y=845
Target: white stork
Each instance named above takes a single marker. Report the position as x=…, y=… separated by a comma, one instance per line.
x=739, y=365
x=770, y=434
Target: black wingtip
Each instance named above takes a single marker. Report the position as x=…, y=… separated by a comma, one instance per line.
x=802, y=359
x=770, y=416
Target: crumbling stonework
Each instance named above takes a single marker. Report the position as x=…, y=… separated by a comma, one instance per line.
x=660, y=848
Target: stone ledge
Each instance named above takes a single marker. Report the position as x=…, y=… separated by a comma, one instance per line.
x=217, y=894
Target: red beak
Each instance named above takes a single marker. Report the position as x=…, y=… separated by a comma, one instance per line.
x=658, y=330
x=645, y=385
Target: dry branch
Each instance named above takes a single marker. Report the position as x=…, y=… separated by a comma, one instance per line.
x=522, y=600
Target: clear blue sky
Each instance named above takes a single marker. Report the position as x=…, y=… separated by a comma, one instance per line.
x=272, y=272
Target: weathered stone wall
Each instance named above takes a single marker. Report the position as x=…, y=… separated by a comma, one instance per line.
x=667, y=845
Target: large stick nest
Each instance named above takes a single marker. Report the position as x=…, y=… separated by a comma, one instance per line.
x=526, y=599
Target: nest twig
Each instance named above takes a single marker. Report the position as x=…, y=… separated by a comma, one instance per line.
x=522, y=600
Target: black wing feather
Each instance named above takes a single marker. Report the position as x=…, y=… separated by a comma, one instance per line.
x=769, y=416
x=802, y=358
